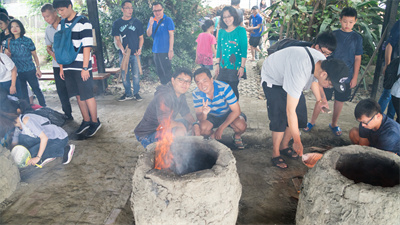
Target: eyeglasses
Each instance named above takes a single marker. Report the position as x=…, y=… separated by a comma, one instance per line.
x=128, y=8
x=226, y=17
x=157, y=10
x=325, y=53
x=183, y=81
x=369, y=121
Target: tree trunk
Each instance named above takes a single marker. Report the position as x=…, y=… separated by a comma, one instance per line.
x=310, y=23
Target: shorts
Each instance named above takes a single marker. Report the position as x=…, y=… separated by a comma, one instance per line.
x=217, y=120
x=276, y=105
x=76, y=86
x=254, y=41
x=341, y=97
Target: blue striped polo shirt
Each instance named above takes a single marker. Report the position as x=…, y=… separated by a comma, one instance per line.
x=223, y=97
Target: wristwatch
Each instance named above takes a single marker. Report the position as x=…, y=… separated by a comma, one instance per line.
x=85, y=68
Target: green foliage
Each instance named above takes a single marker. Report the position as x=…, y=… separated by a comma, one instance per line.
x=184, y=13
x=304, y=19
x=36, y=5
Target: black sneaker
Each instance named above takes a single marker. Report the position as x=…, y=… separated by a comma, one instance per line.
x=94, y=127
x=124, y=98
x=138, y=98
x=44, y=162
x=68, y=154
x=69, y=117
x=84, y=126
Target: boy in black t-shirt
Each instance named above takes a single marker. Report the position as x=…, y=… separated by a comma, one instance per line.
x=128, y=31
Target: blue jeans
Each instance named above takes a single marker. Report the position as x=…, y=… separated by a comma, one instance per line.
x=54, y=147
x=384, y=100
x=148, y=139
x=133, y=70
x=7, y=84
x=30, y=77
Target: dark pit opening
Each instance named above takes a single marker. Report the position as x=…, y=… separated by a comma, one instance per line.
x=190, y=158
x=369, y=169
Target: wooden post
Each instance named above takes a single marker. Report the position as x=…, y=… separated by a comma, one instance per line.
x=389, y=20
x=94, y=20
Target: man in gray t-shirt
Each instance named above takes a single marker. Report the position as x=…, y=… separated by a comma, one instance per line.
x=50, y=16
x=284, y=76
x=236, y=4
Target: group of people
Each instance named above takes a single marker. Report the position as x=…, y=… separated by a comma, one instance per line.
x=44, y=140
x=329, y=67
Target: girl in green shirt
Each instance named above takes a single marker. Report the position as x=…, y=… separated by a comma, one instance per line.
x=231, y=49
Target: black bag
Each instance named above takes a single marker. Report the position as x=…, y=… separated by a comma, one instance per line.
x=391, y=75
x=55, y=117
x=288, y=42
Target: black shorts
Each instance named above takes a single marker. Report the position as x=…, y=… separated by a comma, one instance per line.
x=341, y=97
x=254, y=41
x=217, y=120
x=276, y=105
x=76, y=86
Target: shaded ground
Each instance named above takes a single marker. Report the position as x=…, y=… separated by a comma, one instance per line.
x=95, y=187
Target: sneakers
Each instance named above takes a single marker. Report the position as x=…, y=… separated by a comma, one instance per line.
x=44, y=162
x=84, y=126
x=124, y=98
x=69, y=117
x=94, y=127
x=138, y=97
x=68, y=154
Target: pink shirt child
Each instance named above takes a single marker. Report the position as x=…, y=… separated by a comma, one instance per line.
x=204, y=48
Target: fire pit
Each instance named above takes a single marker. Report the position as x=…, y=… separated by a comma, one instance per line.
x=201, y=186
x=352, y=185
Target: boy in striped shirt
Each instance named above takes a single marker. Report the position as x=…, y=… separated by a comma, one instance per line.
x=216, y=106
x=78, y=75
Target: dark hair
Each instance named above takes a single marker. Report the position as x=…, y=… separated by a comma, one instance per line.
x=7, y=123
x=46, y=7
x=62, y=3
x=367, y=107
x=3, y=10
x=233, y=13
x=202, y=70
x=21, y=27
x=349, y=12
x=157, y=3
x=207, y=24
x=126, y=1
x=254, y=7
x=179, y=71
x=4, y=18
x=235, y=2
x=326, y=40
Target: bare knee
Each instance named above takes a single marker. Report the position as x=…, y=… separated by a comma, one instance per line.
x=206, y=128
x=354, y=135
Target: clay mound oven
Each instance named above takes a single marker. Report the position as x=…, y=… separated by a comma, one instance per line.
x=352, y=185
x=201, y=187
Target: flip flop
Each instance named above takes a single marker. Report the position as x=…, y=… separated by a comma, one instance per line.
x=309, y=127
x=279, y=160
x=335, y=130
x=289, y=152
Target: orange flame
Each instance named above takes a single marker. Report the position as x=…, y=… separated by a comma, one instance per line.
x=163, y=156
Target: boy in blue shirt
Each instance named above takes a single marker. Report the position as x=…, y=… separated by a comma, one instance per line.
x=349, y=49
x=255, y=30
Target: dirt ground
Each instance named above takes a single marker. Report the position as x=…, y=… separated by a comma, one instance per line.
x=95, y=187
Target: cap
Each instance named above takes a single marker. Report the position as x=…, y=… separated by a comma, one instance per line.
x=338, y=73
x=254, y=7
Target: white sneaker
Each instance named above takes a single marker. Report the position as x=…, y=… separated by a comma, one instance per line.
x=46, y=161
x=68, y=154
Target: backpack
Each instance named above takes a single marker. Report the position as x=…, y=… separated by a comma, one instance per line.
x=55, y=117
x=287, y=42
x=63, y=47
x=391, y=75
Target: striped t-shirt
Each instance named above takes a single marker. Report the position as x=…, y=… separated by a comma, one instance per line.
x=81, y=33
x=223, y=97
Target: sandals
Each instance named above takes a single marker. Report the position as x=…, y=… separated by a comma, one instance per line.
x=238, y=142
x=309, y=127
x=336, y=130
x=279, y=160
x=289, y=152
